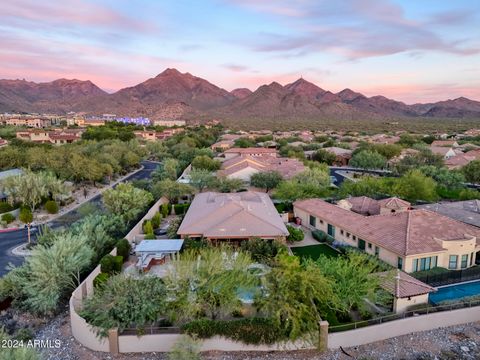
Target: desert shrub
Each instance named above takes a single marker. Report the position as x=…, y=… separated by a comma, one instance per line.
x=117, y=263
x=165, y=209
x=100, y=279
x=248, y=331
x=189, y=243
x=5, y=207
x=150, y=236
x=181, y=209
x=147, y=227
x=123, y=248
x=51, y=207
x=186, y=348
x=156, y=220
x=261, y=250
x=108, y=264
x=294, y=234
x=8, y=218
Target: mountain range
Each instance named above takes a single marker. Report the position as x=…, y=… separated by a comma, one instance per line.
x=172, y=94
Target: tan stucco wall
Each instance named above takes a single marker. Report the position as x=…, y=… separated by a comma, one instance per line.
x=244, y=174
x=401, y=305
x=410, y=325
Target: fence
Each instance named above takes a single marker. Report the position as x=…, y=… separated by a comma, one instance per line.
x=413, y=313
x=450, y=277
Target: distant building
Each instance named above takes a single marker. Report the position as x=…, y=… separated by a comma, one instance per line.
x=222, y=145
x=169, y=123
x=29, y=122
x=342, y=156
x=56, y=137
x=444, y=143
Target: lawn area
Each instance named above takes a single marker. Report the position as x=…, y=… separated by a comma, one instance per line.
x=314, y=251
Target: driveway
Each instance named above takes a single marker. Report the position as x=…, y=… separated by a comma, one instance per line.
x=12, y=239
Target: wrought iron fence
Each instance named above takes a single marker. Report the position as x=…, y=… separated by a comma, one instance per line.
x=413, y=313
x=450, y=277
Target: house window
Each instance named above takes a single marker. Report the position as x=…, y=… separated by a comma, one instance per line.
x=354, y=238
x=424, y=263
x=464, y=262
x=341, y=232
x=400, y=263
x=321, y=222
x=377, y=250
x=471, y=259
x=313, y=221
x=452, y=261
x=348, y=234
x=369, y=245
x=331, y=230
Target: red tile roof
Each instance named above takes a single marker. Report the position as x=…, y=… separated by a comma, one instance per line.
x=404, y=233
x=402, y=285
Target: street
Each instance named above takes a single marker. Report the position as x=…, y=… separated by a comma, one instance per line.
x=12, y=239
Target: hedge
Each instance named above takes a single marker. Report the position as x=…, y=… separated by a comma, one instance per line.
x=123, y=248
x=181, y=209
x=156, y=220
x=100, y=279
x=8, y=218
x=249, y=330
x=294, y=234
x=165, y=209
x=110, y=264
x=51, y=207
x=322, y=237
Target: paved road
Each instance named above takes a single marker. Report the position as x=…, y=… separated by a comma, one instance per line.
x=11, y=239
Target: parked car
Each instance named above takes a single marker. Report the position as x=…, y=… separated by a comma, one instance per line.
x=160, y=231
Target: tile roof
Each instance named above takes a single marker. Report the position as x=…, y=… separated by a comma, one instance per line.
x=287, y=167
x=466, y=211
x=251, y=150
x=402, y=285
x=394, y=203
x=404, y=233
x=230, y=215
x=364, y=205
x=339, y=151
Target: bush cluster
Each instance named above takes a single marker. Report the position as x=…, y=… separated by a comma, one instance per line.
x=248, y=331
x=110, y=264
x=8, y=218
x=181, y=209
x=156, y=220
x=294, y=234
x=100, y=279
x=51, y=207
x=322, y=237
x=123, y=248
x=5, y=207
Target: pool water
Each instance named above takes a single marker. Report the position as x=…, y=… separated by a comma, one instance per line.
x=455, y=292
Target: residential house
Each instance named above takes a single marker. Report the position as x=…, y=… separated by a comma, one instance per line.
x=252, y=152
x=412, y=240
x=403, y=154
x=29, y=122
x=467, y=211
x=343, y=156
x=383, y=139
x=232, y=217
x=244, y=166
x=82, y=122
x=146, y=135
x=222, y=145
x=367, y=206
x=406, y=290
x=445, y=152
x=444, y=143
x=56, y=137
x=462, y=159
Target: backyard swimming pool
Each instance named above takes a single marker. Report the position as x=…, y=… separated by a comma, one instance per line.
x=455, y=292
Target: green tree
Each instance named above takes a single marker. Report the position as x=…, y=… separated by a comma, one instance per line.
x=299, y=296
x=172, y=190
x=124, y=301
x=267, y=180
x=126, y=200
x=448, y=178
x=367, y=159
x=206, y=163
x=313, y=182
x=472, y=171
x=424, y=157
x=351, y=278
x=205, y=282
x=244, y=143
x=26, y=217
x=414, y=185
x=201, y=179
x=324, y=156
x=294, y=234
x=226, y=185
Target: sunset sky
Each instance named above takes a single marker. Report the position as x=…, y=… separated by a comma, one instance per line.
x=409, y=50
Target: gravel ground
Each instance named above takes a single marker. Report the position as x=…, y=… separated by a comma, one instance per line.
x=452, y=343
